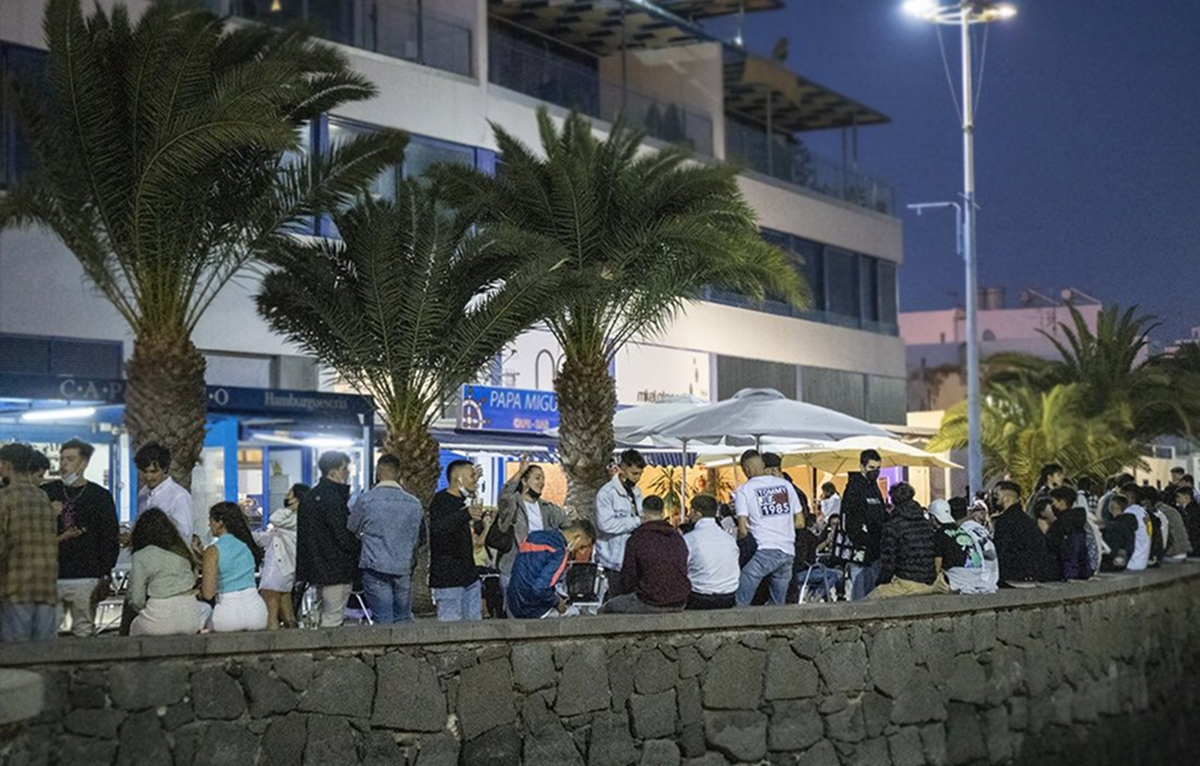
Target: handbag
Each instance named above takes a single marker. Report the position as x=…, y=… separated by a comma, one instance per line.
x=500, y=542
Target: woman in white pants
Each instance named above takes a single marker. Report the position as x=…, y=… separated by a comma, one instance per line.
x=228, y=572
x=162, y=581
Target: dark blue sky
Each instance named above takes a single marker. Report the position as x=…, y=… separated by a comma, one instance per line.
x=1087, y=148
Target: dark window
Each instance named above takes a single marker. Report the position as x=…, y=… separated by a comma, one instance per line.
x=841, y=284
x=812, y=257
x=836, y=389
x=870, y=289
x=887, y=400
x=423, y=152
x=888, y=297
x=26, y=66
x=735, y=373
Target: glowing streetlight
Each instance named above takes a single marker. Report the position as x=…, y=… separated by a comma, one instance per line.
x=963, y=14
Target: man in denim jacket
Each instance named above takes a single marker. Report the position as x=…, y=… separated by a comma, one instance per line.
x=390, y=523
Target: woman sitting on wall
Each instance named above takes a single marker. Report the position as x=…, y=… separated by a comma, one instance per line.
x=162, y=580
x=229, y=565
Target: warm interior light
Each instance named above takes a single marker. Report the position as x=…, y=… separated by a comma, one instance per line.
x=331, y=442
x=276, y=6
x=48, y=416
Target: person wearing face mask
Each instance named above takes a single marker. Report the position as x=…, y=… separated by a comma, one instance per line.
x=88, y=537
x=523, y=510
x=279, y=561
x=326, y=551
x=619, y=512
x=452, y=573
x=863, y=519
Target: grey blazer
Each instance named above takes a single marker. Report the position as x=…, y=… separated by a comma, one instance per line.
x=511, y=515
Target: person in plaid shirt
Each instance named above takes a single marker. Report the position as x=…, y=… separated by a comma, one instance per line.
x=28, y=550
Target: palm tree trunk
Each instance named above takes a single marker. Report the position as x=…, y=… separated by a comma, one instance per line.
x=166, y=400
x=419, y=468
x=587, y=399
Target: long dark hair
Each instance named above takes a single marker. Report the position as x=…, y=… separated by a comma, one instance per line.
x=299, y=491
x=154, y=527
x=230, y=515
x=523, y=482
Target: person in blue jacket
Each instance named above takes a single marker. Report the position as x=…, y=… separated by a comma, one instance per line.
x=540, y=568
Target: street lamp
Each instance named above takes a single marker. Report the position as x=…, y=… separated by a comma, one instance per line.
x=963, y=14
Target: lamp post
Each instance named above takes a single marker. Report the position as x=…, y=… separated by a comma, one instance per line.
x=963, y=14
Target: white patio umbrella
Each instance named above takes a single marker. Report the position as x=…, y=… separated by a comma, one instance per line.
x=646, y=416
x=841, y=456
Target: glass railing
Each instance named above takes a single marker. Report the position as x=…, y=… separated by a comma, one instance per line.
x=390, y=27
x=794, y=164
x=527, y=69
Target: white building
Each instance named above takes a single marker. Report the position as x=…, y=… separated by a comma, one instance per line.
x=445, y=68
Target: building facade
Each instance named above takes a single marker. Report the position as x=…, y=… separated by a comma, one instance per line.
x=447, y=68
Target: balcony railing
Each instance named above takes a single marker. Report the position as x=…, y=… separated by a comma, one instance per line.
x=390, y=27
x=794, y=164
x=527, y=69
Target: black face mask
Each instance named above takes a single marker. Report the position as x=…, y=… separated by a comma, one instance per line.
x=872, y=475
x=532, y=494
x=629, y=485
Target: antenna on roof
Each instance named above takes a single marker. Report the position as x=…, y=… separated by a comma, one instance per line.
x=780, y=50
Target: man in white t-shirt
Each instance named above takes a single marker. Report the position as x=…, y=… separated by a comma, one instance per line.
x=769, y=509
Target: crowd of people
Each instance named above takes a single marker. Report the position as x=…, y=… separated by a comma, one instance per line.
x=530, y=558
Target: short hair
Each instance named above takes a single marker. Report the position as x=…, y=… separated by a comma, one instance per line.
x=580, y=527
x=1009, y=486
x=153, y=454
x=453, y=467
x=829, y=488
x=631, y=458
x=1148, y=496
x=1119, y=501
x=1083, y=483
x=299, y=491
x=1043, y=502
x=23, y=458
x=772, y=460
x=1064, y=494
x=867, y=455
x=705, y=505
x=10, y=453
x=959, y=508
x=1187, y=477
x=1182, y=490
x=38, y=462
x=902, y=493
x=1179, y=470
x=1049, y=469
x=749, y=455
x=331, y=461
x=1131, y=490
x=389, y=461
x=84, y=449
x=653, y=504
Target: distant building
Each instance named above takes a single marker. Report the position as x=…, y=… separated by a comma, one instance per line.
x=1171, y=348
x=935, y=341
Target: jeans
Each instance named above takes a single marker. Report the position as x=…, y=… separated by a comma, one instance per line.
x=822, y=580
x=28, y=622
x=863, y=579
x=389, y=596
x=765, y=563
x=459, y=604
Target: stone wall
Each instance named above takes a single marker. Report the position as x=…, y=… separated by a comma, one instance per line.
x=1097, y=673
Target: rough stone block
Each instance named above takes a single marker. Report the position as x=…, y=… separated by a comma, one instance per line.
x=485, y=698
x=226, y=744
x=807, y=642
x=178, y=715
x=90, y=722
x=821, y=754
x=933, y=739
x=331, y=742
x=84, y=750
x=734, y=678
x=295, y=669
x=142, y=742
x=869, y=752
x=843, y=667
x=967, y=681
x=892, y=660
x=215, y=695
x=438, y=750
x=611, y=742
x=919, y=702
x=964, y=736
x=138, y=686
x=740, y=734
x=556, y=748
x=583, y=686
x=707, y=759
x=447, y=663
x=905, y=748
x=983, y=628
x=620, y=678
x=381, y=749
x=660, y=752
x=999, y=744
x=500, y=746
x=691, y=664
x=533, y=666
x=692, y=741
x=847, y=725
x=691, y=709
x=654, y=673
x=788, y=676
x=283, y=741
x=877, y=713
x=794, y=726
x=408, y=696
x=269, y=696
x=88, y=690
x=342, y=686
x=653, y=715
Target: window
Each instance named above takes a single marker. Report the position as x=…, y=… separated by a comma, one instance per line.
x=425, y=152
x=841, y=283
x=988, y=335
x=26, y=66
x=868, y=268
x=383, y=187
x=888, y=297
x=812, y=259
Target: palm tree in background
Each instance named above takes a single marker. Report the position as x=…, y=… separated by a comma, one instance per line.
x=642, y=233
x=166, y=159
x=407, y=307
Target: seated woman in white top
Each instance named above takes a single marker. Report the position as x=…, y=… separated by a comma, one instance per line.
x=229, y=565
x=162, y=581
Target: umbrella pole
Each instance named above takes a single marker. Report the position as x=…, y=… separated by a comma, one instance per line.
x=683, y=487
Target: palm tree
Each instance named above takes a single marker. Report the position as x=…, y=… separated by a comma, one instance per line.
x=407, y=307
x=642, y=232
x=1024, y=429
x=165, y=160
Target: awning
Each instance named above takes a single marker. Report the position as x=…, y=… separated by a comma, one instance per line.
x=796, y=103
x=595, y=26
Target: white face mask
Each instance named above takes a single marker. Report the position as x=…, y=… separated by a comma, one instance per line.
x=70, y=479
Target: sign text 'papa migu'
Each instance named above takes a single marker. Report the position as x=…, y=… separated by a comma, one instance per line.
x=515, y=410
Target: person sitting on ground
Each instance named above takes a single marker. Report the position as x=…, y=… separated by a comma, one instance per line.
x=390, y=523
x=769, y=510
x=980, y=568
x=228, y=572
x=1068, y=536
x=1189, y=509
x=1120, y=535
x=712, y=559
x=909, y=549
x=535, y=587
x=162, y=580
x=1177, y=544
x=1020, y=545
x=654, y=575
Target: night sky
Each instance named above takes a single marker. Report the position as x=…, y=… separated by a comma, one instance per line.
x=1087, y=142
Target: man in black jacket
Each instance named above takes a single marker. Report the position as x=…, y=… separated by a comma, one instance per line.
x=452, y=572
x=326, y=551
x=1020, y=545
x=907, y=565
x=863, y=518
x=88, y=536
